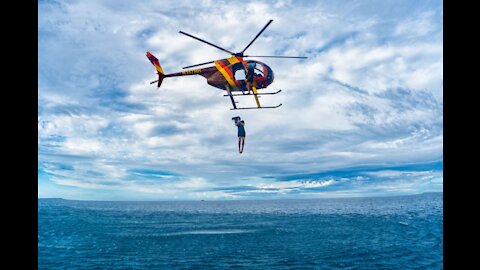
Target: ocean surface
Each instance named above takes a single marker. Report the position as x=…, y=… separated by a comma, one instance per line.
x=403, y=232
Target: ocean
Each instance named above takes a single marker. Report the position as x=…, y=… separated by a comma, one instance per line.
x=404, y=232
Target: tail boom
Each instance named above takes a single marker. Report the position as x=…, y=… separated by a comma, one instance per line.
x=161, y=74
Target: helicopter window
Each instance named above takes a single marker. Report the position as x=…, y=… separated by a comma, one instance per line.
x=240, y=74
x=238, y=71
x=259, y=70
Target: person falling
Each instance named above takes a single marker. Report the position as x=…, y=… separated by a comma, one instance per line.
x=241, y=133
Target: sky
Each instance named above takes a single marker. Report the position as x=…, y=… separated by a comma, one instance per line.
x=362, y=116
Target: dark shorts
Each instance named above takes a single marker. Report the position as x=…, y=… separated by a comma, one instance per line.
x=250, y=74
x=250, y=78
x=241, y=134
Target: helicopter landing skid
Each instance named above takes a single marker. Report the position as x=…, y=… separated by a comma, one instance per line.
x=259, y=94
x=265, y=107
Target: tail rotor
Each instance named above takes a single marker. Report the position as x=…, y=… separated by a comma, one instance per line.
x=158, y=67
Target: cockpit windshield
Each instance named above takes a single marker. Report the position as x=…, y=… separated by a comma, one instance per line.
x=259, y=70
x=263, y=74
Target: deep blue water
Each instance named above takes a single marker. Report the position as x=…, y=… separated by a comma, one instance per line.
x=356, y=233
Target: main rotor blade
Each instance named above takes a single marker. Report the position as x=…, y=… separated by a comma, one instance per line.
x=263, y=29
x=199, y=64
x=275, y=56
x=199, y=39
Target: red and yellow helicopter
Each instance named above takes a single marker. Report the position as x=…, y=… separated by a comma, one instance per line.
x=225, y=73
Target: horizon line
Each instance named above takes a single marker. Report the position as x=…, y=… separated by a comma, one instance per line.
x=246, y=199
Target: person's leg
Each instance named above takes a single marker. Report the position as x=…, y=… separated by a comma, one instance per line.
x=239, y=141
x=249, y=84
x=243, y=144
x=246, y=86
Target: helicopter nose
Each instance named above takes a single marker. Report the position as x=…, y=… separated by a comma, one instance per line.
x=270, y=76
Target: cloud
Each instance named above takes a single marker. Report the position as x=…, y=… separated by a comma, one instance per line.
x=370, y=94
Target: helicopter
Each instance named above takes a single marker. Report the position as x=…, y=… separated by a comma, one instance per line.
x=225, y=73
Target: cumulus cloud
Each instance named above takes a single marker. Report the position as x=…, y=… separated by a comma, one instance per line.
x=370, y=94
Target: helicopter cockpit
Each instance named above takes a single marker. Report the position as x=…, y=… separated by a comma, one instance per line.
x=263, y=73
